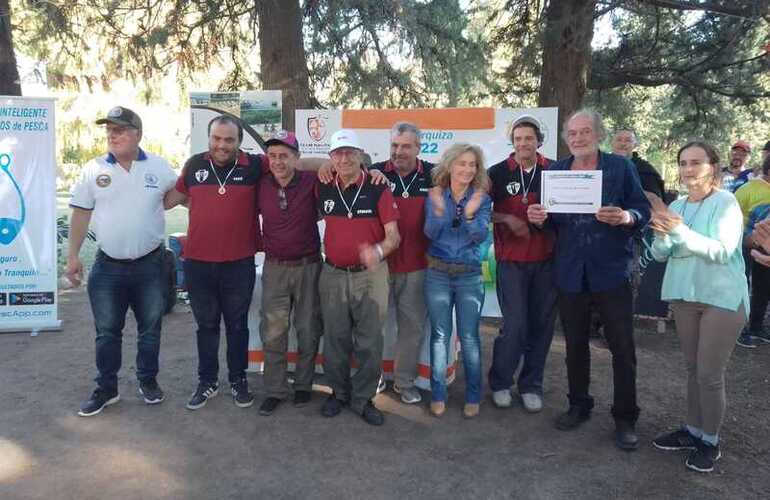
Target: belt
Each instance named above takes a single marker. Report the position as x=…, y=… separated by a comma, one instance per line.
x=128, y=261
x=350, y=269
x=449, y=267
x=312, y=259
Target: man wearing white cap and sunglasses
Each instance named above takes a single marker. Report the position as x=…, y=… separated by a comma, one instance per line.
x=361, y=230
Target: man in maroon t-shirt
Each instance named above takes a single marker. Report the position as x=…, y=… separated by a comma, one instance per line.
x=525, y=274
x=361, y=230
x=409, y=179
x=287, y=202
x=220, y=188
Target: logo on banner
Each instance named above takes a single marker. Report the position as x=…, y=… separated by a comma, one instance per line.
x=328, y=206
x=150, y=180
x=103, y=180
x=201, y=175
x=513, y=188
x=316, y=127
x=10, y=227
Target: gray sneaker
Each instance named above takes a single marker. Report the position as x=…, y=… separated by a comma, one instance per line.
x=409, y=395
x=533, y=403
x=502, y=399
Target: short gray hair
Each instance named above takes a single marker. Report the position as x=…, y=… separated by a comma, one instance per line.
x=596, y=119
x=405, y=127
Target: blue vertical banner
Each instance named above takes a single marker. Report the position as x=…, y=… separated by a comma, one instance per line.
x=28, y=261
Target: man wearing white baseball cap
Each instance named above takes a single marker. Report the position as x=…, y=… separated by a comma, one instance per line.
x=361, y=230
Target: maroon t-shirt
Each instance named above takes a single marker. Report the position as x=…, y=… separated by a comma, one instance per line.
x=507, y=194
x=223, y=227
x=290, y=233
x=344, y=235
x=411, y=253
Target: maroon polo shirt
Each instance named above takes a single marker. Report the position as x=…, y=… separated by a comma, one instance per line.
x=222, y=227
x=411, y=253
x=289, y=234
x=344, y=235
x=507, y=194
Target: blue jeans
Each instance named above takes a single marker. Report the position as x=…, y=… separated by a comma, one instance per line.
x=113, y=287
x=527, y=295
x=463, y=293
x=221, y=290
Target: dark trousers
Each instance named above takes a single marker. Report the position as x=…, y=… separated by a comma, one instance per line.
x=616, y=313
x=760, y=294
x=527, y=297
x=113, y=287
x=221, y=290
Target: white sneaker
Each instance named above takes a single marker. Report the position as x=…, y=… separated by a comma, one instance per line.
x=502, y=398
x=533, y=403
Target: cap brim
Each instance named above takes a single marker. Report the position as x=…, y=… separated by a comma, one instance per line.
x=278, y=142
x=122, y=123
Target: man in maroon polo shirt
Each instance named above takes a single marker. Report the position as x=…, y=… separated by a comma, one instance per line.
x=361, y=230
x=525, y=273
x=287, y=202
x=409, y=179
x=220, y=187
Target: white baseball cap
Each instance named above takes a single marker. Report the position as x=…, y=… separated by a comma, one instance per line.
x=344, y=138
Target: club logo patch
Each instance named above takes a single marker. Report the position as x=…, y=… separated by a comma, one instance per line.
x=392, y=187
x=513, y=188
x=201, y=175
x=103, y=180
x=328, y=206
x=151, y=180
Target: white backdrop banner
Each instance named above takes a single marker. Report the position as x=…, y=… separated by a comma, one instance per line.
x=487, y=127
x=28, y=261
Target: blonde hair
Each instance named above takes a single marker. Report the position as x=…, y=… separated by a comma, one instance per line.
x=441, y=173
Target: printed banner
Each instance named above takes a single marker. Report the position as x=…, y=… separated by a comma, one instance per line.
x=28, y=260
x=260, y=111
x=490, y=128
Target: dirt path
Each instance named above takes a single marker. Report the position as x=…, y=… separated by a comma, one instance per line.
x=132, y=451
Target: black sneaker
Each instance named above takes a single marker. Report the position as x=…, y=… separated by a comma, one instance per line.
x=746, y=340
x=302, y=398
x=99, y=399
x=676, y=441
x=268, y=406
x=625, y=436
x=572, y=418
x=372, y=415
x=332, y=406
x=704, y=456
x=761, y=335
x=202, y=394
x=241, y=395
x=152, y=392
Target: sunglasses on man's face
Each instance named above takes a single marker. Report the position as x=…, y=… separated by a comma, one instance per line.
x=283, y=204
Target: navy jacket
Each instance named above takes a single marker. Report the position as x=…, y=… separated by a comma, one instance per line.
x=592, y=256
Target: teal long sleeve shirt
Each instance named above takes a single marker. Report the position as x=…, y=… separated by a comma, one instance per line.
x=705, y=261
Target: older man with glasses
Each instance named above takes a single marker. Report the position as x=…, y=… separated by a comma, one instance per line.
x=292, y=247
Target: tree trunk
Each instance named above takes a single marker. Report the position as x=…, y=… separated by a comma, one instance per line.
x=569, y=28
x=9, y=73
x=282, y=55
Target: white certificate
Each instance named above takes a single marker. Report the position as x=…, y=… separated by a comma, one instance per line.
x=572, y=191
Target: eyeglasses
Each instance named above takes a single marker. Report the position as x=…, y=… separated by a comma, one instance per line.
x=282, y=202
x=458, y=216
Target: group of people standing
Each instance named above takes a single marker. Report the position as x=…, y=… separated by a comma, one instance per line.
x=409, y=233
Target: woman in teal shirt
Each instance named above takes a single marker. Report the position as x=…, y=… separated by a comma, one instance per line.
x=700, y=237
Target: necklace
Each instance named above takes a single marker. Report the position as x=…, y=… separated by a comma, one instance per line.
x=405, y=193
x=525, y=189
x=355, y=198
x=222, y=189
x=692, y=217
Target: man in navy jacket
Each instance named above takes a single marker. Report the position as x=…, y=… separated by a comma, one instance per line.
x=593, y=253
